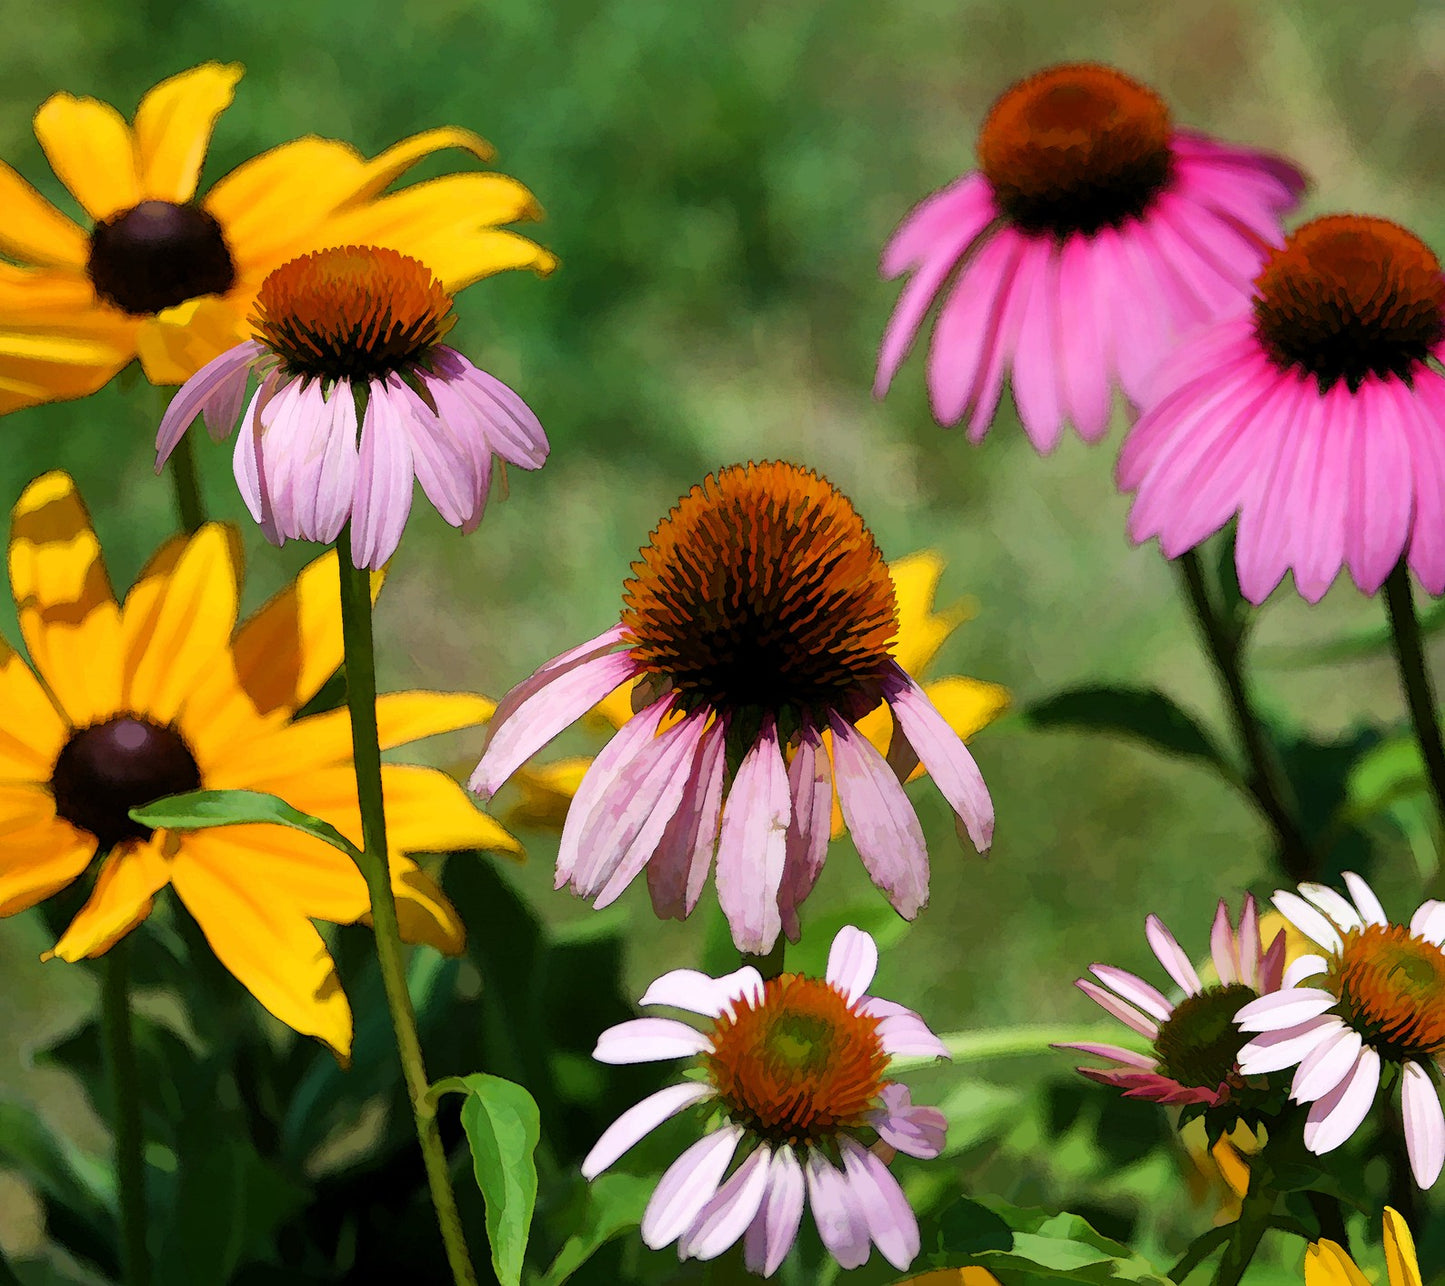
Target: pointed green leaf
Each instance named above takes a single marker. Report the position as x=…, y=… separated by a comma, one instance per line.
x=615, y=1203
x=503, y=1128
x=201, y=809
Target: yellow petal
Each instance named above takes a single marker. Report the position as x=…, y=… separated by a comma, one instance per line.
x=547, y=792
x=953, y=1277
x=422, y=911
x=324, y=740
x=39, y=853
x=61, y=296
x=455, y=204
x=967, y=705
x=34, y=231
x=1400, y=1261
x=68, y=614
x=921, y=630
x=1327, y=1264
x=390, y=165
x=175, y=344
x=32, y=731
x=1233, y=1168
x=173, y=127
x=89, y=146
x=177, y=620
x=459, y=260
x=270, y=946
x=615, y=708
x=29, y=383
x=129, y=879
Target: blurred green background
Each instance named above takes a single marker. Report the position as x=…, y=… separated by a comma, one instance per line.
x=719, y=179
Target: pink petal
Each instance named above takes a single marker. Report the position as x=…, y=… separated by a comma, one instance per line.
x=775, y=1228
x=944, y=756
x=701, y=994
x=913, y=1130
x=336, y=479
x=679, y=870
x=640, y=1120
x=1249, y=945
x=1423, y=416
x=649, y=1040
x=841, y=1223
x=208, y=389
x=998, y=357
x=1084, y=360
x=1315, y=542
x=1134, y=989
x=507, y=424
x=1036, y=379
x=880, y=819
x=1171, y=955
x=549, y=704
x=1122, y=1010
x=446, y=470
x=1338, y=1115
x=891, y=1221
x=1266, y=518
x=967, y=324
x=246, y=460
x=1273, y=1051
x=1380, y=499
x=384, y=480
x=811, y=787
x=1223, y=947
x=1424, y=1123
x=906, y=1035
x=731, y=1211
x=852, y=962
x=752, y=847
x=1117, y=1053
x=687, y=1186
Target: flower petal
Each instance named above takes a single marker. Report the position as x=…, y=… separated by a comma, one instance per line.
x=1340, y=912
x=215, y=381
x=775, y=1228
x=731, y=1211
x=1424, y=1125
x=89, y=146
x=891, y=1221
x=34, y=731
x=852, y=962
x=1171, y=955
x=1338, y=1115
x=1325, y=1066
x=687, y=1186
x=34, y=231
x=1365, y=900
x=1134, y=989
x=700, y=993
x=1282, y=1009
x=383, y=481
x=1273, y=1051
x=129, y=879
x=840, y=1221
x=1401, y=1265
x=679, y=869
x=640, y=1120
x=1124, y=1012
x=913, y=1130
x=1308, y=921
x=810, y=787
x=173, y=127
x=752, y=846
x=649, y=1040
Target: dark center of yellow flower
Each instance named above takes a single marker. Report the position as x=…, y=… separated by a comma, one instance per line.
x=1075, y=148
x=762, y=591
x=107, y=769
x=351, y=313
x=1350, y=297
x=1198, y=1044
x=799, y=1064
x=1391, y=986
x=158, y=254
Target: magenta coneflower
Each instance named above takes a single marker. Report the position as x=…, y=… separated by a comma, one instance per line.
x=794, y=1072
x=1094, y=235
x=1194, y=1059
x=1374, y=1000
x=760, y=619
x=330, y=327
x=1318, y=418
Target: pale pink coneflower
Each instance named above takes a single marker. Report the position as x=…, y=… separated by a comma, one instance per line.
x=333, y=326
x=1094, y=234
x=1195, y=1043
x=794, y=1076
x=760, y=620
x=1316, y=413
x=1374, y=999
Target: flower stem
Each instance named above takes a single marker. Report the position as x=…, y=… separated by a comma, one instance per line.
x=1199, y=1250
x=1245, y=1232
x=770, y=964
x=186, y=481
x=119, y=1050
x=1265, y=781
x=1415, y=681
x=361, y=702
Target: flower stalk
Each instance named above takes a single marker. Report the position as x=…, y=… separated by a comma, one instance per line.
x=186, y=483
x=361, y=703
x=1245, y=1232
x=1265, y=780
x=119, y=1050
x=1415, y=682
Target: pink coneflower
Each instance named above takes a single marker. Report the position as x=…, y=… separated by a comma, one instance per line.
x=794, y=1072
x=759, y=619
x=1318, y=418
x=356, y=321
x=1196, y=1043
x=1376, y=998
x=1094, y=235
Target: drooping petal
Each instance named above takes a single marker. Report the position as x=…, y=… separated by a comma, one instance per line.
x=687, y=1186
x=731, y=1211
x=39, y=853
x=127, y=883
x=1424, y=1124
x=1325, y=1066
x=216, y=381
x=1282, y=1009
x=775, y=1227
x=445, y=470
x=679, y=870
x=914, y=1130
x=891, y=1221
x=841, y=1223
x=640, y=1120
x=1401, y=1264
x=1273, y=1051
x=752, y=846
x=1327, y=1263
x=383, y=481
x=806, y=846
x=1334, y=1118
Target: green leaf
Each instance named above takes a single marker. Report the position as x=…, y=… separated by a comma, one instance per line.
x=615, y=1203
x=1142, y=714
x=1067, y=1247
x=503, y=1128
x=201, y=809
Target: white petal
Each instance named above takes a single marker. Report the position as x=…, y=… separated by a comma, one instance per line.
x=1341, y=913
x=852, y=962
x=647, y=1040
x=1304, y=967
x=1281, y=1009
x=1370, y=909
x=1335, y=1117
x=1307, y=920
x=688, y=1186
x=891, y=1221
x=1424, y=1123
x=1273, y=1051
x=639, y=1120
x=730, y=1213
x=1429, y=922
x=1325, y=1066
x=700, y=993
x=841, y=1224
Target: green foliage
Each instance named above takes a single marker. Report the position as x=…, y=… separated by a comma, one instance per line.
x=614, y=1204
x=203, y=809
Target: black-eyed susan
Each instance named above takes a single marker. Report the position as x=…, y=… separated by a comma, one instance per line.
x=155, y=273
x=131, y=702
x=1327, y=1263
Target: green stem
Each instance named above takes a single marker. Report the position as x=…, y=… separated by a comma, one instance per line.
x=770, y=965
x=1199, y=1250
x=361, y=702
x=186, y=482
x=1245, y=1232
x=1415, y=681
x=119, y=1051
x=1265, y=780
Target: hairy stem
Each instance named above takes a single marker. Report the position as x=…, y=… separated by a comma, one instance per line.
x=119, y=1050
x=186, y=482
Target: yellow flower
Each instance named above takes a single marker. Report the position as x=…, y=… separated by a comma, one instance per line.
x=160, y=276
x=953, y=1277
x=967, y=704
x=163, y=693
x=1329, y=1264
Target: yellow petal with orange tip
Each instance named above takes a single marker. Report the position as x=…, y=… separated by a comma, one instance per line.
x=1327, y=1264
x=270, y=946
x=174, y=344
x=33, y=731
x=324, y=740
x=130, y=877
x=34, y=231
x=91, y=150
x=68, y=615
x=1400, y=1260
x=173, y=126
x=921, y=630
x=177, y=620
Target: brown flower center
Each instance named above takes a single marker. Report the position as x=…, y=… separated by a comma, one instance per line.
x=1075, y=148
x=1350, y=297
x=762, y=591
x=158, y=254
x=799, y=1064
x=107, y=769
x=1198, y=1044
x=352, y=312
x=1391, y=986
